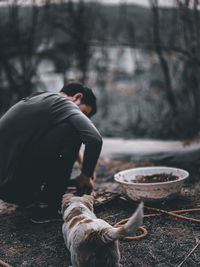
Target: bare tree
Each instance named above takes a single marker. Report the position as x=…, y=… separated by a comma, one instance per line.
x=158, y=48
x=189, y=43
x=75, y=21
x=19, y=55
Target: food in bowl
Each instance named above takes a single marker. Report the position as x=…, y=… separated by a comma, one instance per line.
x=155, y=178
x=151, y=191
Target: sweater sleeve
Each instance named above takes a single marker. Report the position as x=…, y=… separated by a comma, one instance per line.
x=92, y=139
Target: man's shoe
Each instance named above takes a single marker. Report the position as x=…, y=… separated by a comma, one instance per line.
x=45, y=215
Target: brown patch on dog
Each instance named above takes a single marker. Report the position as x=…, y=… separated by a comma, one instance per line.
x=73, y=214
x=75, y=221
x=87, y=221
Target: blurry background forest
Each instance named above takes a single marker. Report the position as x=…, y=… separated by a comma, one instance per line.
x=143, y=62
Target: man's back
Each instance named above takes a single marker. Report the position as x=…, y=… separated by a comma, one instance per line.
x=25, y=123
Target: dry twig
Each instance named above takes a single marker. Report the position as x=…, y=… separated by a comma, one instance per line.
x=194, y=248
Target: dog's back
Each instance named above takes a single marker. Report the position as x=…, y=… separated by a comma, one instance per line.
x=93, y=242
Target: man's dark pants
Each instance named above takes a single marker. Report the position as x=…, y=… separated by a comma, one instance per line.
x=49, y=162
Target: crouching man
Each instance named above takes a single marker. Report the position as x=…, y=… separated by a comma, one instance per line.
x=40, y=139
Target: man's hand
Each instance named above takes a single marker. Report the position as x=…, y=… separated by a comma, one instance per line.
x=84, y=185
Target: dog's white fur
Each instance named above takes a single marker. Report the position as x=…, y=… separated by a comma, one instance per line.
x=92, y=242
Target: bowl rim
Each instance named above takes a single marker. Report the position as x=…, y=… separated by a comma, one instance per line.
x=150, y=184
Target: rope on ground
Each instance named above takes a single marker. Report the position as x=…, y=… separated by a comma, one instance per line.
x=2, y=263
x=174, y=213
x=144, y=230
x=171, y=213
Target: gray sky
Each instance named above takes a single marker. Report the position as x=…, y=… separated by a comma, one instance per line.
x=166, y=3
x=163, y=3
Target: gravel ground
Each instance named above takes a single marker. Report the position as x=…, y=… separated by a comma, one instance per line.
x=168, y=242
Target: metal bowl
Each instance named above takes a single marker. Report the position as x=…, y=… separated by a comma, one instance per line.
x=149, y=192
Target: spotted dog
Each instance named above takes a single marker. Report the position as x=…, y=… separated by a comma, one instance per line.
x=93, y=242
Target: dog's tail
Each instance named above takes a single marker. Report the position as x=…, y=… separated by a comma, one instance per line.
x=128, y=229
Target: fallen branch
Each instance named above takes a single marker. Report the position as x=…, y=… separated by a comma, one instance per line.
x=195, y=247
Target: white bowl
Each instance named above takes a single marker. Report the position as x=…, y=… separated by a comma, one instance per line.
x=150, y=191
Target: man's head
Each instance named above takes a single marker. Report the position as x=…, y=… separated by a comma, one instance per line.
x=82, y=96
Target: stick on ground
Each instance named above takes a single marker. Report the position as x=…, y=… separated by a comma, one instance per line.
x=195, y=247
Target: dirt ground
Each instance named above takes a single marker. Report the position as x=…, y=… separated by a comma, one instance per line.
x=168, y=242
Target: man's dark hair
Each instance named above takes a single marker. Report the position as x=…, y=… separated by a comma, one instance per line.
x=88, y=98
